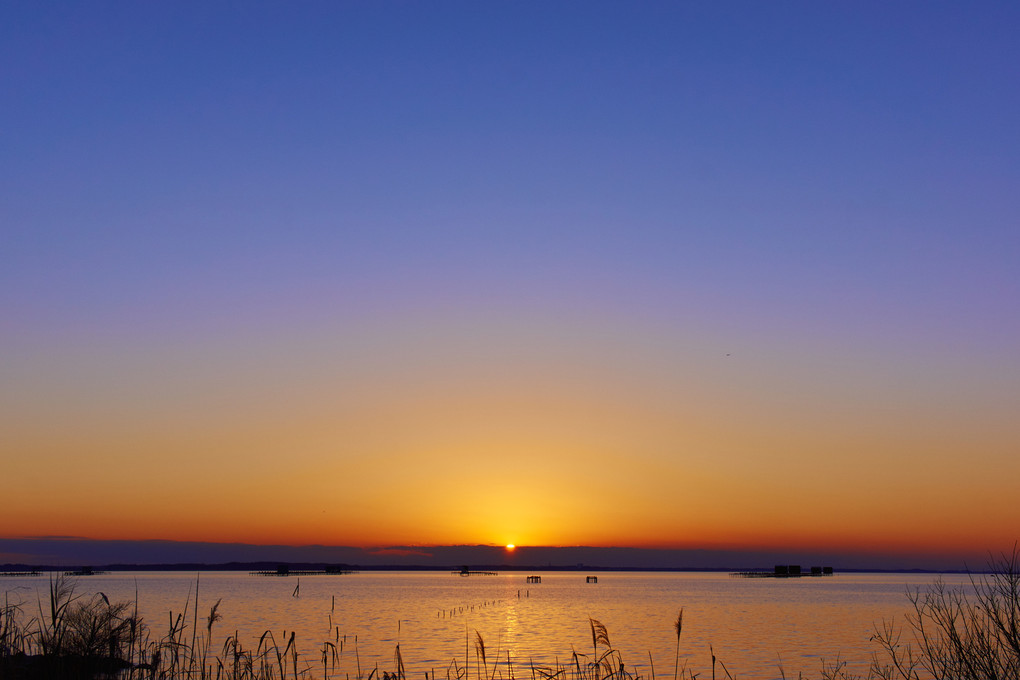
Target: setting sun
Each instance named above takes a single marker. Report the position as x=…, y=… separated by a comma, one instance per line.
x=510, y=546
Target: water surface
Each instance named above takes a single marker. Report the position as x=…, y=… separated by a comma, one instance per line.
x=754, y=625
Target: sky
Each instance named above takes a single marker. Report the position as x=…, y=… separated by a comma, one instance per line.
x=703, y=276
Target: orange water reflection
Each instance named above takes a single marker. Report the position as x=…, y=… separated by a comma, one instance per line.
x=752, y=624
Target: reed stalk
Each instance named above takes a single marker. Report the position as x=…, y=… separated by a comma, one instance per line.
x=678, y=625
x=481, y=668
x=194, y=625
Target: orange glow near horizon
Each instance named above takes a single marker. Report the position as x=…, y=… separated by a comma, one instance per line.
x=557, y=450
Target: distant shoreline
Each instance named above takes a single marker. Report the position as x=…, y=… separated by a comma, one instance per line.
x=43, y=569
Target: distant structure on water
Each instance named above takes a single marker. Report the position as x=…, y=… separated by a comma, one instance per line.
x=465, y=571
x=84, y=571
x=284, y=570
x=785, y=571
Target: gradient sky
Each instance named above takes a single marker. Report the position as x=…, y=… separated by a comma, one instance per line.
x=706, y=275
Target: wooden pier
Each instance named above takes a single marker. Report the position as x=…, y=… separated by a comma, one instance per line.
x=785, y=571
x=286, y=571
x=34, y=572
x=84, y=571
x=591, y=579
x=534, y=579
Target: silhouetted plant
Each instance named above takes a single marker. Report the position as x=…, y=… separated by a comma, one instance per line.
x=678, y=625
x=95, y=627
x=13, y=639
x=958, y=633
x=50, y=633
x=483, y=669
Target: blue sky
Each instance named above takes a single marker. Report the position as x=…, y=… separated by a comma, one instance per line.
x=746, y=150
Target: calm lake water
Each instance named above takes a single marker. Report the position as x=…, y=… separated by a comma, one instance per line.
x=752, y=623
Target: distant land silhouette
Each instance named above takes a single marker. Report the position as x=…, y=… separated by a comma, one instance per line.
x=67, y=552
